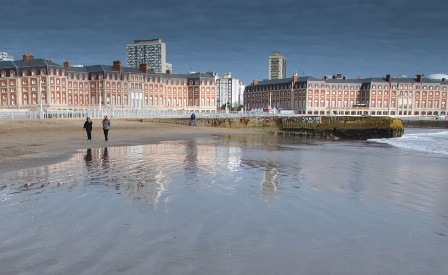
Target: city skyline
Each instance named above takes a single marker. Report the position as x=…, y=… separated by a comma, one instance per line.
x=317, y=37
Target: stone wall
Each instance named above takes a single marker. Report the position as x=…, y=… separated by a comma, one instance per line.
x=321, y=126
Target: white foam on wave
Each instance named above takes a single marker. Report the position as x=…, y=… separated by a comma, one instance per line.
x=436, y=142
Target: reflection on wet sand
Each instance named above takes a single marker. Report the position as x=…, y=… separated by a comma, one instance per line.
x=204, y=206
x=143, y=172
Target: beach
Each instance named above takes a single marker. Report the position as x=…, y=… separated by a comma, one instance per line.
x=174, y=199
x=31, y=142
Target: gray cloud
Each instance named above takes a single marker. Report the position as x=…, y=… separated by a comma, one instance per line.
x=348, y=36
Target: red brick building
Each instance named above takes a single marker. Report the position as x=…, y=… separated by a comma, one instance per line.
x=31, y=83
x=342, y=96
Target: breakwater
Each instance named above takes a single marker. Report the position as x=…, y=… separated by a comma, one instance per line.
x=347, y=127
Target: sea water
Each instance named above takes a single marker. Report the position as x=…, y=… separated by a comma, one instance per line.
x=233, y=204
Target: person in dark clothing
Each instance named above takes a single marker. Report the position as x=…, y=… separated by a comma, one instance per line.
x=88, y=126
x=106, y=127
x=193, y=119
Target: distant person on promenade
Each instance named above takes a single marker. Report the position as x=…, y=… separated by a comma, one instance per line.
x=106, y=127
x=193, y=120
x=88, y=126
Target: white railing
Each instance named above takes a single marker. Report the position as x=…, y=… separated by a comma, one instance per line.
x=126, y=113
x=116, y=113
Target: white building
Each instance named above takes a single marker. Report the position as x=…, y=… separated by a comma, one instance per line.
x=229, y=91
x=151, y=52
x=4, y=56
x=241, y=94
x=277, y=66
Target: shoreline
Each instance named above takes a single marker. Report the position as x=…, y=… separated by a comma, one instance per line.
x=29, y=143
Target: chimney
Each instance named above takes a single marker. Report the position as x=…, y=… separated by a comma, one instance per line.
x=255, y=82
x=27, y=57
x=420, y=78
x=389, y=78
x=334, y=77
x=325, y=77
x=117, y=65
x=295, y=78
x=344, y=78
x=144, y=68
x=66, y=64
x=443, y=79
x=168, y=71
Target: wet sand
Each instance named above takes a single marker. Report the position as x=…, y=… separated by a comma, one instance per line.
x=31, y=143
x=228, y=204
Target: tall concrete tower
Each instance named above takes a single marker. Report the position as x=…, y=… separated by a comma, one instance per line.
x=277, y=66
x=151, y=52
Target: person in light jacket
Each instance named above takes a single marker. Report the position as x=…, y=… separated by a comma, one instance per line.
x=106, y=127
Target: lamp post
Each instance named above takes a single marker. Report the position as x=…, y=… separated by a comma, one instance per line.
x=390, y=98
x=40, y=95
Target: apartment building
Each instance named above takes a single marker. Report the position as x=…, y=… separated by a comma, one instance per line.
x=228, y=91
x=31, y=83
x=277, y=66
x=342, y=96
x=151, y=52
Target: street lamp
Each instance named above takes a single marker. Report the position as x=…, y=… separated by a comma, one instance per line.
x=39, y=87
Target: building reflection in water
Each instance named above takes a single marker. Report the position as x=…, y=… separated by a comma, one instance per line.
x=144, y=172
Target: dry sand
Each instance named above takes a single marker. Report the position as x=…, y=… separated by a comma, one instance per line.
x=31, y=143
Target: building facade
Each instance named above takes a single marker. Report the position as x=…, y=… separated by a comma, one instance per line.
x=277, y=66
x=330, y=96
x=31, y=83
x=228, y=91
x=151, y=52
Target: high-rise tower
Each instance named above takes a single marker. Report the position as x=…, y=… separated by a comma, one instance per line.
x=277, y=66
x=151, y=52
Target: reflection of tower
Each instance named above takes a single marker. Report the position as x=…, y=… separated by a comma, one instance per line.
x=271, y=177
x=191, y=158
x=270, y=182
x=147, y=187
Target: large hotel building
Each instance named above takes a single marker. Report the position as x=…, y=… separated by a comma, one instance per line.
x=30, y=83
x=341, y=96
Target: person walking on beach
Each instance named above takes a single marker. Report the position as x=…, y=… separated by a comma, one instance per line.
x=88, y=127
x=106, y=127
x=193, y=119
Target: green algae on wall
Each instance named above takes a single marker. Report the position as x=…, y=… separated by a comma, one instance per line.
x=349, y=127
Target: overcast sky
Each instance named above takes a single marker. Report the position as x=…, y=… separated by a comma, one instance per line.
x=352, y=37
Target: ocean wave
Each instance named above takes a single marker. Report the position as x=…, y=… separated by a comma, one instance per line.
x=431, y=142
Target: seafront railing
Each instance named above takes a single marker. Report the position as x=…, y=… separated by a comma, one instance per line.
x=128, y=113
x=116, y=113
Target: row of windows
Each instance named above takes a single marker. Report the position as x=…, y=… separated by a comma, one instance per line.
x=345, y=87
x=126, y=78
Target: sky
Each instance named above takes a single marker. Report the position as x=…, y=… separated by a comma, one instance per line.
x=355, y=38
